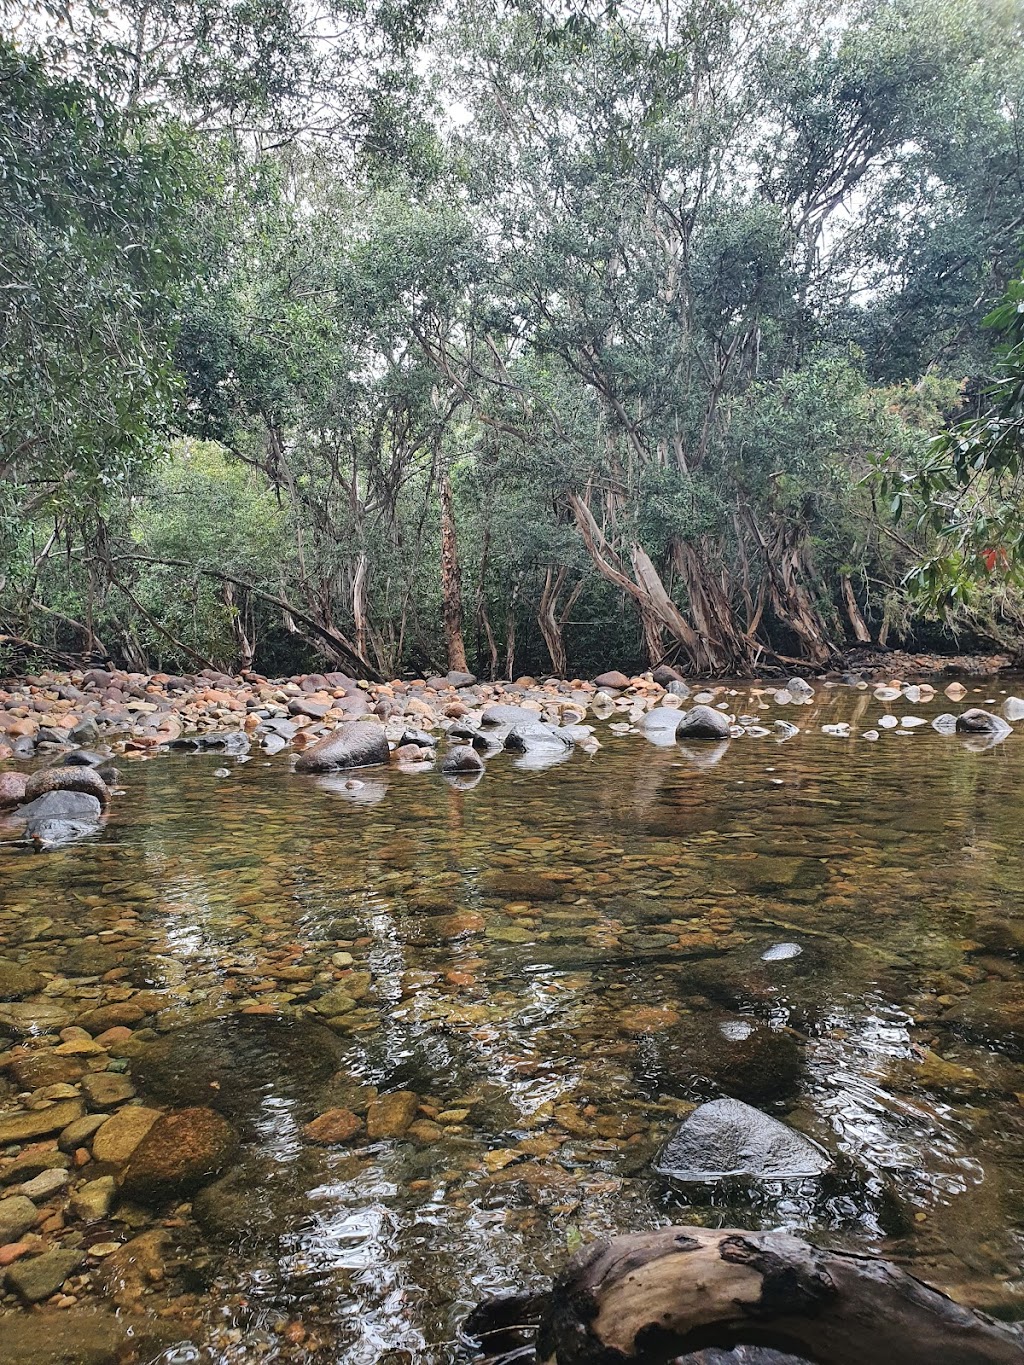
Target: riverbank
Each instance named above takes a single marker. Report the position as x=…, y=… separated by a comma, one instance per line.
x=141, y=713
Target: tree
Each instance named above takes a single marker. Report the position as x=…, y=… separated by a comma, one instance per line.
x=967, y=485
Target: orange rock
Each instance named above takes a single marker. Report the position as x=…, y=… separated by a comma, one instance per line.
x=10, y=1253
x=336, y=1125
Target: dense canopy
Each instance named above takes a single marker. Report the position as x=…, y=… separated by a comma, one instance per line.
x=408, y=337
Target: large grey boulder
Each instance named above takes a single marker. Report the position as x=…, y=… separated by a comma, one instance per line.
x=979, y=722
x=462, y=759
x=356, y=744
x=538, y=739
x=501, y=714
x=61, y=805
x=703, y=722
x=730, y=1138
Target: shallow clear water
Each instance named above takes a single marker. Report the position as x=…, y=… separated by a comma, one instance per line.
x=562, y=961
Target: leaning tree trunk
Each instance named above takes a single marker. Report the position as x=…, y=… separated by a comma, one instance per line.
x=853, y=613
x=658, y=1295
x=451, y=579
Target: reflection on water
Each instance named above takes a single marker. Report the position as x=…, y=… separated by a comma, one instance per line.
x=559, y=961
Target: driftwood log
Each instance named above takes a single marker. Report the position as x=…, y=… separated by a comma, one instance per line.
x=654, y=1297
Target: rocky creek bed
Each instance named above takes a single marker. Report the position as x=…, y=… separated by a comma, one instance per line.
x=299, y=1061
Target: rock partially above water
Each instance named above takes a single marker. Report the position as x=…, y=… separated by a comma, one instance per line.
x=730, y=1138
x=979, y=722
x=703, y=722
x=356, y=744
x=462, y=759
x=67, y=779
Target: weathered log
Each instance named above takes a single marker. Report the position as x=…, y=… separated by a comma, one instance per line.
x=655, y=1296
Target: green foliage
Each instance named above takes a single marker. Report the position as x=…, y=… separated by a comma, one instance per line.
x=91, y=202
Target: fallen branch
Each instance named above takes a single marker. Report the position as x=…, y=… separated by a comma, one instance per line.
x=655, y=1296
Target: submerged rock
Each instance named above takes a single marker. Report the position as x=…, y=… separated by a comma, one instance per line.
x=181, y=1151
x=38, y=1277
x=356, y=744
x=237, y=1063
x=979, y=722
x=16, y=981
x=730, y=1138
x=703, y=722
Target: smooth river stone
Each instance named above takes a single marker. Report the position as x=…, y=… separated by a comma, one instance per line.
x=38, y=1277
x=389, y=1116
x=40, y=1122
x=17, y=1215
x=730, y=1138
x=116, y=1139
x=781, y=952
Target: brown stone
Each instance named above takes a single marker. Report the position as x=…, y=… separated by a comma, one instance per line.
x=181, y=1151
x=118, y=1137
x=336, y=1125
x=389, y=1116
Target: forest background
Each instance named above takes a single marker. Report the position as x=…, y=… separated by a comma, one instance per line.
x=415, y=335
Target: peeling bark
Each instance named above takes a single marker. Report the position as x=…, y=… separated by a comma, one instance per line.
x=655, y=1296
x=853, y=614
x=451, y=579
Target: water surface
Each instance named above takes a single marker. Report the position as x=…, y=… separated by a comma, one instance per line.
x=561, y=962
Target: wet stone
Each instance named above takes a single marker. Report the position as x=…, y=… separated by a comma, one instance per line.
x=728, y=1138
x=17, y=1214
x=39, y=1122
x=17, y=981
x=236, y=1063
x=38, y=1277
x=116, y=1138
x=104, y=1089
x=94, y=1199
x=389, y=1116
x=45, y=1185
x=181, y=1151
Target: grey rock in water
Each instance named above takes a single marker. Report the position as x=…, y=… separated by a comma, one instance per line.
x=730, y=1138
x=462, y=759
x=45, y=834
x=799, y=687
x=82, y=758
x=356, y=744
x=678, y=689
x=1013, y=708
x=781, y=952
x=218, y=741
x=500, y=714
x=62, y=805
x=703, y=722
x=37, y=1277
x=979, y=722
x=524, y=739
x=945, y=724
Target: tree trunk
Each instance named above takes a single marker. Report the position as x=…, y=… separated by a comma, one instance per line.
x=451, y=579
x=655, y=1296
x=857, y=623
